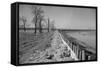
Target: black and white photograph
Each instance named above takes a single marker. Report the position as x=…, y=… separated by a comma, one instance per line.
x=56, y=34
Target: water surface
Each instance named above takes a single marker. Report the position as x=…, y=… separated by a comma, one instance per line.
x=88, y=37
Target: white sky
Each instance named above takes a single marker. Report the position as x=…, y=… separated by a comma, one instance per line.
x=65, y=17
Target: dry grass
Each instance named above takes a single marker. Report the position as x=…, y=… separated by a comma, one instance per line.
x=29, y=44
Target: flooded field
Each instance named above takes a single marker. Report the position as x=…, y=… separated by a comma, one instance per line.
x=87, y=37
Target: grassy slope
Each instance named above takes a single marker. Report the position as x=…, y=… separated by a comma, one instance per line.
x=30, y=43
x=45, y=47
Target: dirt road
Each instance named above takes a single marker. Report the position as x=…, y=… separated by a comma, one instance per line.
x=57, y=50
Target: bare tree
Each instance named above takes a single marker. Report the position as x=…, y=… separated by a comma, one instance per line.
x=52, y=26
x=40, y=23
x=44, y=23
x=24, y=20
x=37, y=18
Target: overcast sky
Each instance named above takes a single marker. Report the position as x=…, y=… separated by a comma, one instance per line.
x=64, y=17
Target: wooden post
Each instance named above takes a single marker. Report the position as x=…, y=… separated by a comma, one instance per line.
x=83, y=55
x=74, y=48
x=80, y=55
x=71, y=45
x=77, y=50
x=89, y=57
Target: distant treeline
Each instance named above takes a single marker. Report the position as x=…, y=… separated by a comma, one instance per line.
x=34, y=29
x=60, y=29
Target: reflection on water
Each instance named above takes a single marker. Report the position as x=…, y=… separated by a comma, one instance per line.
x=88, y=37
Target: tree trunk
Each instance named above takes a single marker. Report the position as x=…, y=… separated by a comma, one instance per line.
x=36, y=25
x=24, y=27
x=40, y=26
x=35, y=28
x=48, y=24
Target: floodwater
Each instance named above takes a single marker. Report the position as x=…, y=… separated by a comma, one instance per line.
x=88, y=37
